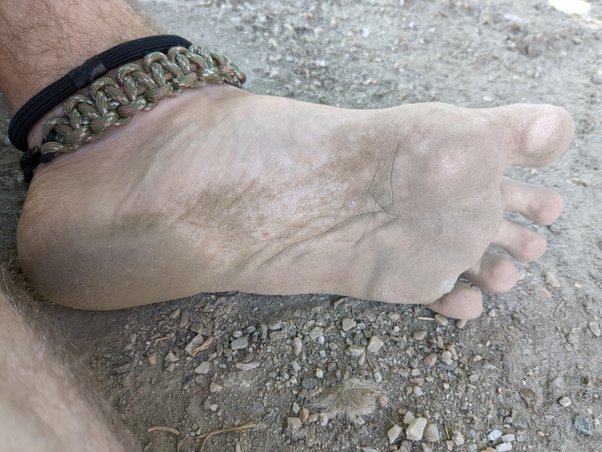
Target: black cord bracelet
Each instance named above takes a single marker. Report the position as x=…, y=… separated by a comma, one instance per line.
x=51, y=96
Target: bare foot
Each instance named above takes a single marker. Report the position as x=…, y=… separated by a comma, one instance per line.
x=223, y=190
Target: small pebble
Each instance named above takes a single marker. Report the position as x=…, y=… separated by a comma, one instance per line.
x=304, y=414
x=296, y=366
x=309, y=383
x=431, y=433
x=297, y=346
x=213, y=407
x=494, y=435
x=393, y=433
x=275, y=325
x=430, y=360
x=460, y=324
x=296, y=408
x=594, y=327
x=204, y=368
x=316, y=333
x=446, y=357
x=418, y=392
x=419, y=335
x=375, y=344
x=552, y=280
x=294, y=423
x=247, y=366
x=355, y=350
x=489, y=449
x=171, y=357
x=508, y=438
x=564, y=401
x=194, y=343
x=347, y=324
x=214, y=387
x=319, y=373
x=503, y=447
x=152, y=359
x=458, y=438
x=441, y=319
x=583, y=425
x=415, y=430
x=240, y=343
x=408, y=418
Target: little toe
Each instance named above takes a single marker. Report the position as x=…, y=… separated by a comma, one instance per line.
x=522, y=243
x=538, y=204
x=538, y=133
x=493, y=273
x=463, y=302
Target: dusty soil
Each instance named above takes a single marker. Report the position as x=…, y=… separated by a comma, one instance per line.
x=505, y=371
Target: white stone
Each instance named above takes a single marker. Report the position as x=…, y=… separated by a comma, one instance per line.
x=297, y=346
x=508, y=438
x=375, y=344
x=416, y=429
x=458, y=438
x=393, y=433
x=294, y=423
x=431, y=433
x=494, y=435
x=503, y=447
x=347, y=324
x=204, y=368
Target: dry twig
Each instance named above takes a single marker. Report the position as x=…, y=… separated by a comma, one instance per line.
x=239, y=428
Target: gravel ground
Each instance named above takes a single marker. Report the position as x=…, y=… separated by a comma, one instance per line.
x=326, y=373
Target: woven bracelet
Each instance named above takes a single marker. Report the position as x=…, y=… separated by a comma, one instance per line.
x=114, y=101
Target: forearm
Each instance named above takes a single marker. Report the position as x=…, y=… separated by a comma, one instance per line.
x=42, y=40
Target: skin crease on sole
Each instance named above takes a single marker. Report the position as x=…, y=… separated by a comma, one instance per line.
x=221, y=190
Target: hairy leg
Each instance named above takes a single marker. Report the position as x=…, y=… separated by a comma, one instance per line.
x=42, y=402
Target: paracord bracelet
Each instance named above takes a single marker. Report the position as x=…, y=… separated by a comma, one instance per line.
x=82, y=76
x=113, y=102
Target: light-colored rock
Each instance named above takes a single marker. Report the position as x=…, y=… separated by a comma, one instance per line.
x=508, y=438
x=393, y=433
x=458, y=438
x=171, y=357
x=408, y=417
x=347, y=324
x=203, y=369
x=494, y=435
x=564, y=401
x=594, y=327
x=431, y=433
x=503, y=447
x=375, y=344
x=419, y=335
x=552, y=280
x=240, y=343
x=214, y=387
x=415, y=430
x=294, y=423
x=431, y=360
x=297, y=346
x=441, y=319
x=304, y=414
x=247, y=366
x=355, y=350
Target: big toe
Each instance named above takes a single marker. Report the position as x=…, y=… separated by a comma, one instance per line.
x=536, y=134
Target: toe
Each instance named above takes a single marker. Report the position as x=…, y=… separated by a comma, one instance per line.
x=538, y=134
x=493, y=274
x=463, y=302
x=522, y=243
x=536, y=203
